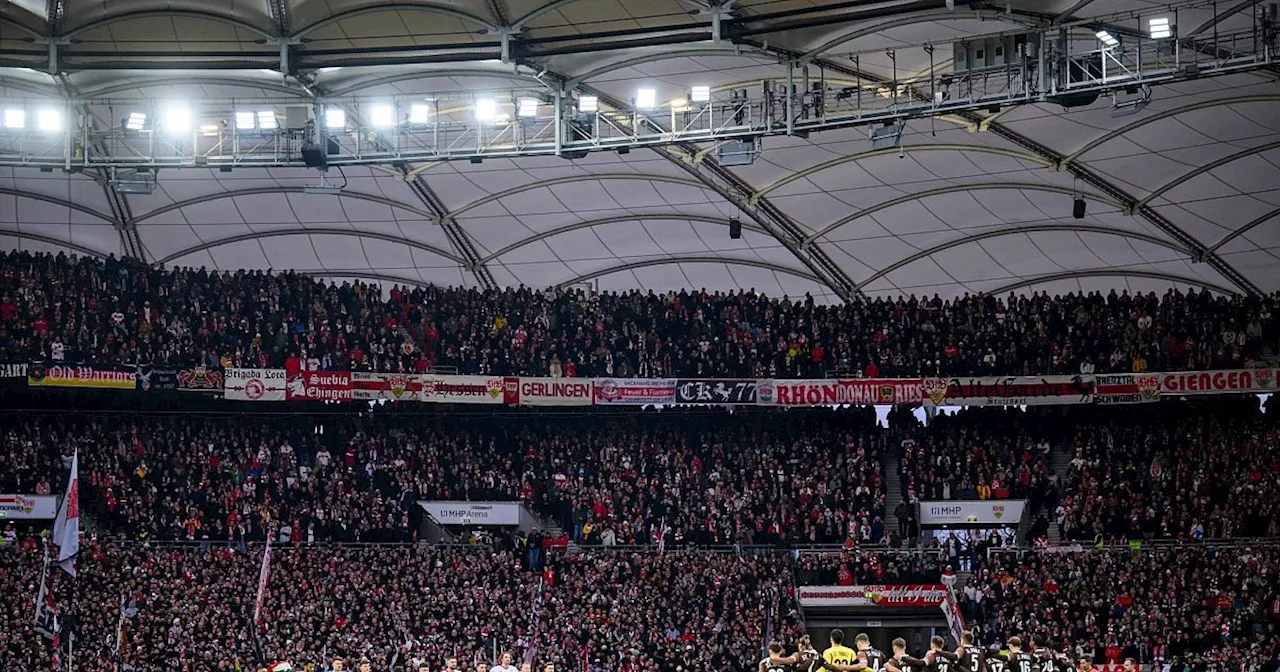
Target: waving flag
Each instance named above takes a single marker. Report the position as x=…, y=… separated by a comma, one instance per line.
x=262, y=584
x=66, y=528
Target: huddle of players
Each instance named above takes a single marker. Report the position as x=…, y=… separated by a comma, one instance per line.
x=968, y=657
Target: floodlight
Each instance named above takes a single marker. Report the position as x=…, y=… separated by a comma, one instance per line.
x=136, y=121
x=267, y=120
x=646, y=99
x=700, y=94
x=588, y=104
x=209, y=129
x=49, y=119
x=335, y=118
x=177, y=119
x=419, y=113
x=1160, y=28
x=527, y=107
x=382, y=115
x=15, y=117
x=244, y=121
x=486, y=109
x=1107, y=38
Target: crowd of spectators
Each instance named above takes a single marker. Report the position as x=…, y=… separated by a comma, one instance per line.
x=695, y=477
x=111, y=311
x=1186, y=471
x=1203, y=605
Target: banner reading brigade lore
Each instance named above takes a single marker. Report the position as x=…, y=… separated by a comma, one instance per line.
x=635, y=391
x=95, y=376
x=254, y=384
x=1218, y=382
x=546, y=391
x=714, y=391
x=390, y=386
x=1126, y=388
x=856, y=391
x=913, y=595
x=462, y=389
x=1009, y=390
x=319, y=386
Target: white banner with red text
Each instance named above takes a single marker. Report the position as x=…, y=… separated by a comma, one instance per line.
x=28, y=507
x=389, y=386
x=547, y=391
x=906, y=595
x=254, y=384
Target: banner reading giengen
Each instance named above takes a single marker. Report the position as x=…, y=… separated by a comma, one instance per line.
x=1218, y=382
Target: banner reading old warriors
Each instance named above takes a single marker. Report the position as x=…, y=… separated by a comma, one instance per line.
x=828, y=392
x=95, y=376
x=695, y=391
x=634, y=391
x=546, y=391
x=1009, y=390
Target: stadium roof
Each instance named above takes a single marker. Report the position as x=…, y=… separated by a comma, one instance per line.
x=1181, y=190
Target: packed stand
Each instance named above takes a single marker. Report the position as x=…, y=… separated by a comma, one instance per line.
x=1201, y=604
x=67, y=308
x=695, y=477
x=1187, y=471
x=650, y=612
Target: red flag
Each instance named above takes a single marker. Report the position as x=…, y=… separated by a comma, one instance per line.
x=66, y=528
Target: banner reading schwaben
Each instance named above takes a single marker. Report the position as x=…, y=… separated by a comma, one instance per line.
x=98, y=376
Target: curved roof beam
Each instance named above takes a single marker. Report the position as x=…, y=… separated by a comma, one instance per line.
x=909, y=149
x=427, y=74
x=256, y=191
x=956, y=188
x=665, y=56
x=546, y=8
x=664, y=261
x=1110, y=273
x=1208, y=167
x=1013, y=231
x=30, y=87
x=76, y=247
x=168, y=14
x=58, y=201
x=571, y=179
x=112, y=89
x=863, y=31
x=31, y=34
x=392, y=7
x=324, y=231
x=1201, y=105
x=722, y=221
x=1243, y=230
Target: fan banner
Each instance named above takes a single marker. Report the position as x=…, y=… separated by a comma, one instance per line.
x=702, y=391
x=100, y=376
x=1009, y=390
x=200, y=379
x=15, y=370
x=634, y=391
x=28, y=507
x=904, y=595
x=367, y=386
x=830, y=392
x=254, y=384
x=964, y=512
x=547, y=391
x=1218, y=382
x=462, y=389
x=156, y=379
x=1126, y=388
x=319, y=386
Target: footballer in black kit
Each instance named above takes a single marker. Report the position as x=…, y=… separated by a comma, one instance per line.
x=1049, y=660
x=871, y=657
x=936, y=660
x=1016, y=660
x=970, y=656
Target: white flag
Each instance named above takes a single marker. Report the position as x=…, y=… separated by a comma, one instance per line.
x=262, y=583
x=66, y=528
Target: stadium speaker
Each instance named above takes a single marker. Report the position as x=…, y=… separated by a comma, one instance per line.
x=1077, y=210
x=735, y=228
x=314, y=156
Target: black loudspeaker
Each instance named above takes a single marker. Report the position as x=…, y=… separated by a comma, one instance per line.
x=735, y=228
x=1077, y=210
x=314, y=156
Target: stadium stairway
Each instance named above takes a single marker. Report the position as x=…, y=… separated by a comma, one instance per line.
x=891, y=460
x=1059, y=462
